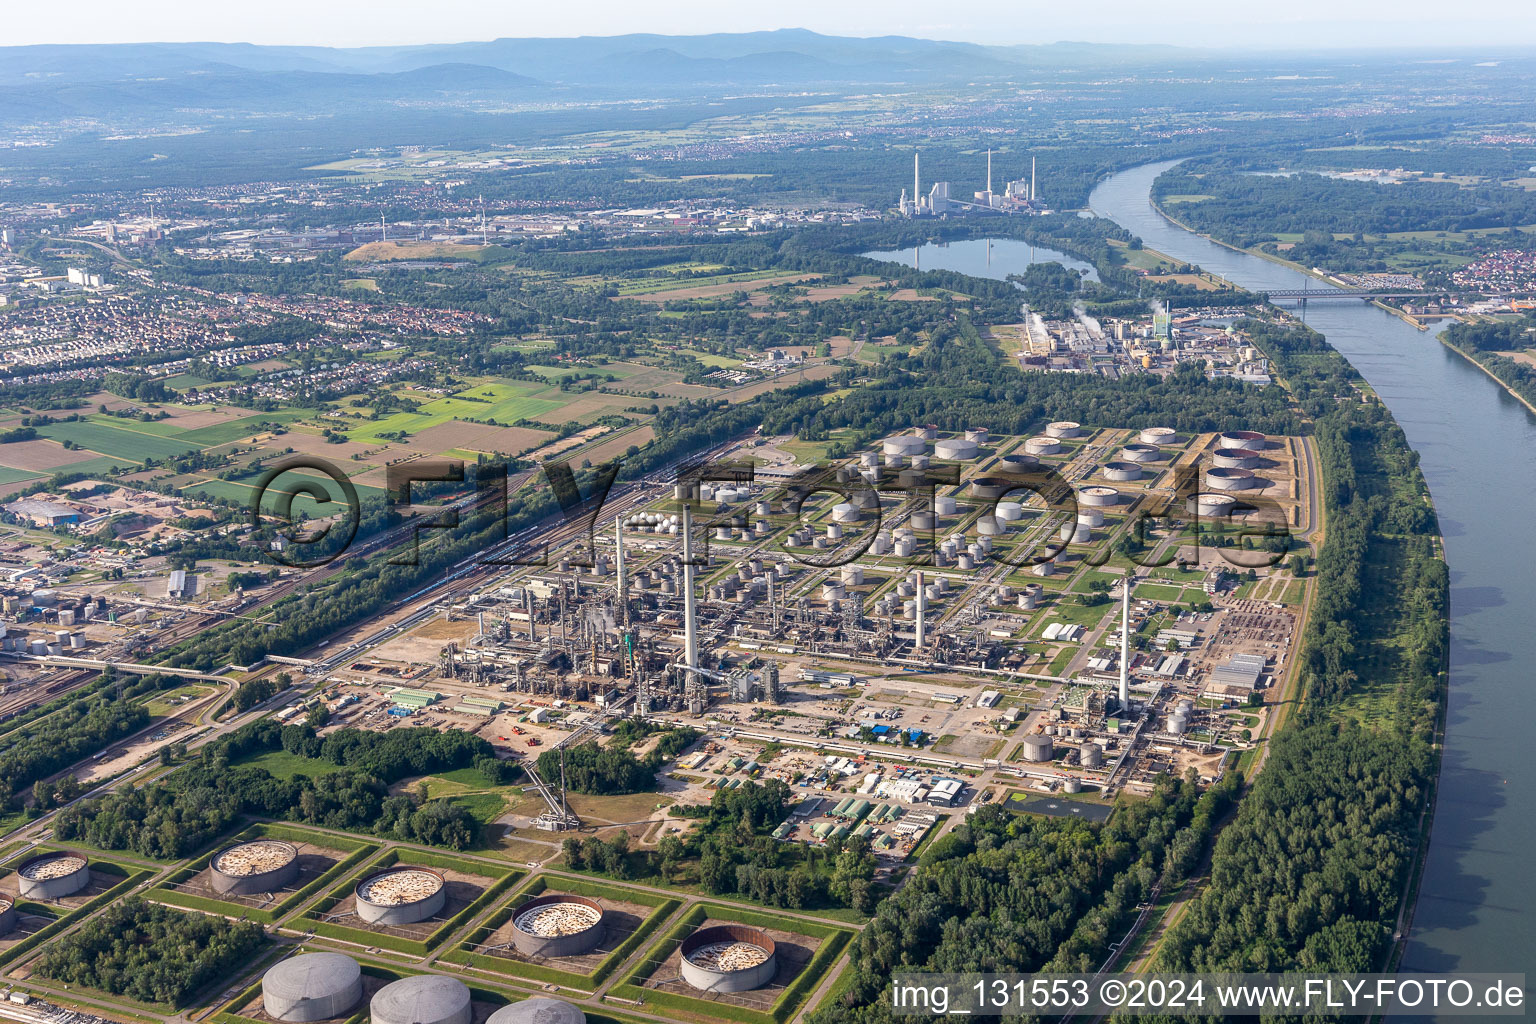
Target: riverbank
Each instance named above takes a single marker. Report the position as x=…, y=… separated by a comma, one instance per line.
x=1282, y=261
x=1509, y=388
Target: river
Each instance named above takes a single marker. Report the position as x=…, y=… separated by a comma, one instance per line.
x=1477, y=448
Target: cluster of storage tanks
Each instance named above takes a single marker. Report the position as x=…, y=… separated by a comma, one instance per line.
x=654, y=522
x=58, y=641
x=323, y=986
x=1233, y=462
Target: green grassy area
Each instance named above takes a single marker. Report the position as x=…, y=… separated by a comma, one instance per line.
x=120, y=442
x=16, y=476
x=284, y=765
x=503, y=402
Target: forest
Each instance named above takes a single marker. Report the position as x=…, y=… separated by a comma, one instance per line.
x=150, y=952
x=1245, y=208
x=175, y=816
x=1486, y=343
x=609, y=771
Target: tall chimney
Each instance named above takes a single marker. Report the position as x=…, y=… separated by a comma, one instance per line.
x=1125, y=644
x=922, y=607
x=916, y=188
x=1031, y=179
x=989, y=175
x=618, y=549
x=690, y=628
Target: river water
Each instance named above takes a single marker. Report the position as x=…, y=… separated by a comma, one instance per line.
x=1477, y=447
x=983, y=257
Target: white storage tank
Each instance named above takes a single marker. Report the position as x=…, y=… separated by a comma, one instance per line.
x=1137, y=452
x=1064, y=428
x=1098, y=496
x=955, y=449
x=1158, y=436
x=1043, y=446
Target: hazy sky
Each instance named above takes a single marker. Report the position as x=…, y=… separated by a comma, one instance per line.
x=1238, y=23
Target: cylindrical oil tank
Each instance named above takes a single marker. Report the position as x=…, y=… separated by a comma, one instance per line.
x=52, y=876
x=924, y=521
x=1119, y=471
x=991, y=526
x=869, y=460
x=834, y=531
x=1091, y=755
x=1136, y=452
x=833, y=590
x=977, y=434
x=1250, y=439
x=7, y=914
x=1009, y=511
x=1210, y=506
x=1235, y=458
x=259, y=866
x=539, y=1010
x=847, y=512
x=1064, y=428
x=422, y=999
x=1072, y=786
x=1098, y=496
x=729, y=958
x=904, y=444
x=867, y=499
x=400, y=895
x=311, y=987
x=1018, y=465
x=853, y=575
x=1158, y=436
x=1028, y=600
x=557, y=924
x=991, y=486
x=1233, y=480
x=1092, y=516
x=1043, y=446
x=898, y=461
x=927, y=432
x=1177, y=724
x=955, y=449
x=945, y=505
x=965, y=562
x=1038, y=748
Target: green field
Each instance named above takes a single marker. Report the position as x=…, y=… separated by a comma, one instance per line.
x=16, y=476
x=285, y=765
x=234, y=430
x=504, y=403
x=122, y=442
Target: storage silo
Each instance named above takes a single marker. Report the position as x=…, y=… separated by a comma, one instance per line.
x=1249, y=439
x=259, y=866
x=1038, y=748
x=539, y=1010
x=955, y=449
x=1018, y=465
x=1236, y=458
x=557, y=924
x=52, y=876
x=1043, y=446
x=729, y=958
x=312, y=987
x=422, y=999
x=1233, y=480
x=400, y=895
